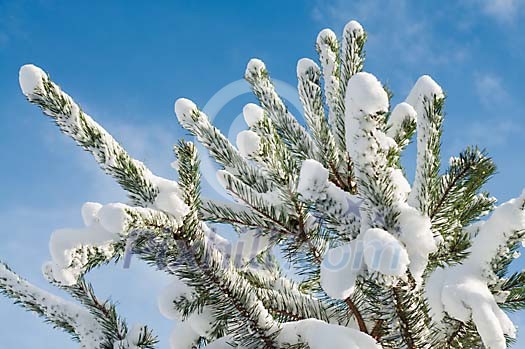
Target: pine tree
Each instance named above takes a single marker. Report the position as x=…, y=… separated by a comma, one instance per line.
x=380, y=263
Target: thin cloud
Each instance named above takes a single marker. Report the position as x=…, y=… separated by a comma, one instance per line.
x=503, y=10
x=500, y=131
x=149, y=143
x=491, y=90
x=400, y=30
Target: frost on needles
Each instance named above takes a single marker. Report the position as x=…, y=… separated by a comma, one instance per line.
x=380, y=262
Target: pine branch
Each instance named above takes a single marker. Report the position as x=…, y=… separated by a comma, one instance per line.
x=429, y=129
x=352, y=52
x=309, y=87
x=274, y=156
x=357, y=314
x=336, y=208
x=272, y=212
x=131, y=174
x=285, y=301
x=218, y=145
x=232, y=213
x=412, y=318
x=465, y=176
x=294, y=135
x=328, y=49
x=70, y=317
x=114, y=327
x=207, y=272
x=335, y=188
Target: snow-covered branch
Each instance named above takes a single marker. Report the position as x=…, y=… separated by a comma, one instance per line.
x=463, y=292
x=330, y=199
x=293, y=133
x=72, y=318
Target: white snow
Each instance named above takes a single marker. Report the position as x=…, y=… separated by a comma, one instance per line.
x=89, y=212
x=217, y=240
x=368, y=145
x=400, y=184
x=403, y=111
x=496, y=231
x=340, y=268
x=132, y=338
x=462, y=291
x=183, y=336
x=464, y=295
x=423, y=92
x=55, y=308
x=222, y=176
x=364, y=96
x=252, y=114
x=248, y=143
x=416, y=234
x=186, y=333
x=313, y=176
x=425, y=88
x=328, y=59
x=249, y=245
x=184, y=108
x=70, y=249
x=320, y=335
x=354, y=27
x=113, y=217
x=201, y=321
x=255, y=65
x=326, y=35
x=305, y=64
x=384, y=253
x=169, y=197
x=174, y=292
x=170, y=202
x=343, y=207
x=31, y=78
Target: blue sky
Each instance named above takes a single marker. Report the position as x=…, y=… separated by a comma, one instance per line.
x=126, y=62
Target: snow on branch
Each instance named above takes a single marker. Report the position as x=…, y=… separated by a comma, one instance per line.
x=131, y=174
x=402, y=123
x=310, y=93
x=462, y=291
x=195, y=121
x=352, y=52
x=427, y=99
x=384, y=187
x=328, y=49
x=73, y=318
x=338, y=208
x=329, y=200
x=272, y=154
x=76, y=251
x=293, y=133
x=320, y=335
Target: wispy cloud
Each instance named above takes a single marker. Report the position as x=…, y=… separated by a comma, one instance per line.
x=497, y=130
x=391, y=25
x=149, y=143
x=503, y=10
x=500, y=132
x=401, y=35
x=491, y=90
